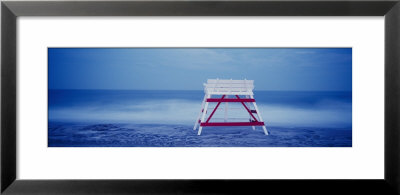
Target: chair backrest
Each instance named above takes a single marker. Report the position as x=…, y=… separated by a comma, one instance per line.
x=229, y=87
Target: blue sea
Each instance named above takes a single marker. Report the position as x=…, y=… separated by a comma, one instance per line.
x=165, y=118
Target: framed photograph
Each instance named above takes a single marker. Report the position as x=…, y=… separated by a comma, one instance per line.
x=156, y=103
x=199, y=97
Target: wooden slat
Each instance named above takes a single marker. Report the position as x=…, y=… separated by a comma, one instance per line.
x=212, y=81
x=221, y=124
x=229, y=93
x=230, y=100
x=228, y=85
x=235, y=88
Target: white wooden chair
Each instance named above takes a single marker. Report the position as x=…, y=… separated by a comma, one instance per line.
x=226, y=88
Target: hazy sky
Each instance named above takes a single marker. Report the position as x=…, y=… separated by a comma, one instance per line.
x=189, y=68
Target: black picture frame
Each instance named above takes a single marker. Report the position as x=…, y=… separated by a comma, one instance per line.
x=11, y=10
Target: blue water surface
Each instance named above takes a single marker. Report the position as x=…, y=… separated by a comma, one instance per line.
x=165, y=118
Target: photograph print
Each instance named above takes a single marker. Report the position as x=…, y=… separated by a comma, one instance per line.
x=199, y=97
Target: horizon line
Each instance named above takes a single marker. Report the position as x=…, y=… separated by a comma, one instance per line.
x=192, y=90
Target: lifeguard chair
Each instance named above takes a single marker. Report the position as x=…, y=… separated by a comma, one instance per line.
x=224, y=89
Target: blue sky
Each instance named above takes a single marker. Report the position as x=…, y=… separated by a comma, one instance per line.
x=300, y=69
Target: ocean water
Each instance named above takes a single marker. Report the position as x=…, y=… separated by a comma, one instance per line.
x=165, y=118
